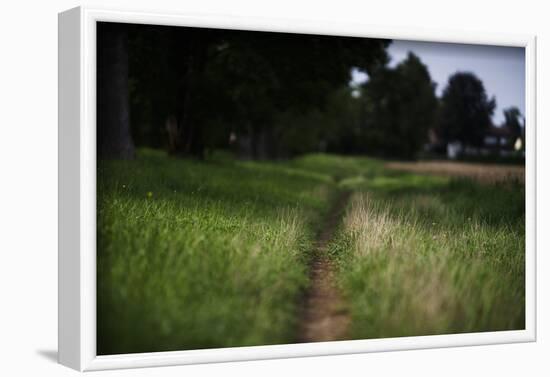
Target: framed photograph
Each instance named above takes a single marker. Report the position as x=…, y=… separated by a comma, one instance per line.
x=239, y=189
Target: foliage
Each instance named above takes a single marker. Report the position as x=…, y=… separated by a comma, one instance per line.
x=513, y=122
x=220, y=81
x=465, y=110
x=335, y=128
x=400, y=107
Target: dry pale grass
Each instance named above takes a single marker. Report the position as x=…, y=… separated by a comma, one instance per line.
x=486, y=173
x=289, y=232
x=371, y=226
x=379, y=234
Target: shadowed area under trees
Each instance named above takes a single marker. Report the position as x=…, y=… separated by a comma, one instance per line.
x=113, y=102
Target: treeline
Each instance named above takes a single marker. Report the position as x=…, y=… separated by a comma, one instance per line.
x=396, y=113
x=192, y=90
x=273, y=95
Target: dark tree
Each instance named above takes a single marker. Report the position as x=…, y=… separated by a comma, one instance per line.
x=113, y=108
x=400, y=108
x=512, y=121
x=465, y=110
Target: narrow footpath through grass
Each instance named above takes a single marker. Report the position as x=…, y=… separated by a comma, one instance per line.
x=324, y=314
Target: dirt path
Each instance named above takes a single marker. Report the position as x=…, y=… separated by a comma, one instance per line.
x=324, y=316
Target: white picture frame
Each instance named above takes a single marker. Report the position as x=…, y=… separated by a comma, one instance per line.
x=77, y=185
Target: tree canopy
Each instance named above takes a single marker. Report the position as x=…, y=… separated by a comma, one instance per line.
x=513, y=121
x=400, y=105
x=214, y=82
x=466, y=110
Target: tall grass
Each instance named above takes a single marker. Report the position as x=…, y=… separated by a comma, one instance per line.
x=447, y=260
x=198, y=255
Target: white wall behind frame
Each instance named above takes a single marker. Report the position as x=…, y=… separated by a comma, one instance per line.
x=28, y=157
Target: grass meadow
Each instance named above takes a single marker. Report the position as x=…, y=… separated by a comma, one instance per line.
x=443, y=257
x=216, y=253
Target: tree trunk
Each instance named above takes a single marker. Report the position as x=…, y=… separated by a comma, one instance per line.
x=114, y=140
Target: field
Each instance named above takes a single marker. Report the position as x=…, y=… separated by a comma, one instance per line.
x=490, y=173
x=234, y=253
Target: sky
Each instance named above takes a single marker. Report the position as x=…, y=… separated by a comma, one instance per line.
x=501, y=69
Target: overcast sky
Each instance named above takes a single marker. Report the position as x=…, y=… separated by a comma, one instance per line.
x=502, y=69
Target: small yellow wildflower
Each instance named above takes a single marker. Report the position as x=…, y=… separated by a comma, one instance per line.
x=149, y=194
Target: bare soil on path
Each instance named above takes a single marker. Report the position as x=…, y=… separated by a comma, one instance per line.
x=324, y=316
